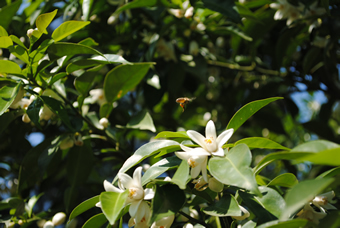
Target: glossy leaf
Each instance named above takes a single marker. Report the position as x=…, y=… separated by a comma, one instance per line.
x=325, y=157
x=95, y=221
x=181, y=176
x=84, y=206
x=168, y=200
x=67, y=28
x=8, y=12
x=226, y=206
x=123, y=78
x=110, y=58
x=20, y=53
x=3, y=31
x=170, y=134
x=271, y=200
x=295, y=223
x=44, y=20
x=16, y=40
x=142, y=121
x=225, y=7
x=302, y=193
x=84, y=82
x=5, y=42
x=8, y=94
x=264, y=143
x=315, y=146
x=247, y=111
x=330, y=173
x=82, y=64
x=136, y=4
x=159, y=168
x=146, y=151
x=233, y=169
x=112, y=203
x=61, y=49
x=9, y=67
x=285, y=180
x=33, y=111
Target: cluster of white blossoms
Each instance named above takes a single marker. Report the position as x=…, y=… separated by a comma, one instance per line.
x=311, y=14
x=322, y=202
x=139, y=209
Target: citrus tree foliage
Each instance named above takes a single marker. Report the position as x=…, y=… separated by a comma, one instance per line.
x=88, y=93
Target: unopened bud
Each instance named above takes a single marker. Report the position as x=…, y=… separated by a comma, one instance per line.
x=49, y=224
x=66, y=143
x=104, y=122
x=25, y=118
x=59, y=218
x=30, y=33
x=193, y=48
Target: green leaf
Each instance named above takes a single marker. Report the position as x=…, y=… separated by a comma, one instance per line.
x=84, y=82
x=225, y=7
x=3, y=31
x=302, y=193
x=67, y=28
x=285, y=180
x=33, y=111
x=8, y=94
x=136, y=4
x=44, y=20
x=58, y=108
x=123, y=78
x=9, y=67
x=82, y=64
x=142, y=121
x=111, y=58
x=325, y=157
x=15, y=39
x=7, y=13
x=168, y=200
x=7, y=117
x=329, y=173
x=226, y=206
x=112, y=204
x=105, y=110
x=181, y=176
x=86, y=6
x=95, y=221
x=84, y=206
x=247, y=111
x=315, y=146
x=159, y=168
x=271, y=200
x=234, y=168
x=5, y=42
x=20, y=53
x=170, y=134
x=146, y=151
x=61, y=49
x=295, y=223
x=56, y=77
x=259, y=142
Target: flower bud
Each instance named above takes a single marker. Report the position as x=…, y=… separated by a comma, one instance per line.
x=59, y=218
x=215, y=185
x=66, y=143
x=78, y=141
x=104, y=122
x=25, y=118
x=30, y=33
x=193, y=48
x=49, y=224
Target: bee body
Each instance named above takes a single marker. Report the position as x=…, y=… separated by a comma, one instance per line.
x=184, y=101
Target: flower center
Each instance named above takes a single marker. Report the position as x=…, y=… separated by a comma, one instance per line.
x=192, y=163
x=136, y=194
x=209, y=140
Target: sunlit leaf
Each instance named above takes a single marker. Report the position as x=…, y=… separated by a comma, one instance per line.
x=61, y=49
x=302, y=193
x=5, y=42
x=95, y=221
x=123, y=78
x=226, y=206
x=258, y=142
x=247, y=111
x=325, y=157
x=181, y=176
x=19, y=52
x=9, y=67
x=142, y=121
x=8, y=94
x=3, y=31
x=233, y=169
x=44, y=20
x=67, y=28
x=285, y=180
x=112, y=203
x=84, y=206
x=170, y=134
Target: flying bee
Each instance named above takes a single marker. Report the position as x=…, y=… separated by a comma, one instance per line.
x=184, y=101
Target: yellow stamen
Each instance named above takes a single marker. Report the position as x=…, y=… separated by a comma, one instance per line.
x=208, y=141
x=132, y=192
x=192, y=163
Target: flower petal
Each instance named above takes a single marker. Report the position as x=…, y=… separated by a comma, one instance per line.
x=204, y=170
x=183, y=155
x=110, y=188
x=210, y=130
x=197, y=138
x=224, y=137
x=149, y=193
x=137, y=176
x=125, y=180
x=195, y=171
x=134, y=207
x=219, y=152
x=185, y=148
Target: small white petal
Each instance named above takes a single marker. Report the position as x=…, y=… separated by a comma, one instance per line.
x=148, y=194
x=197, y=138
x=125, y=180
x=98, y=204
x=110, y=188
x=183, y=155
x=137, y=176
x=134, y=208
x=219, y=152
x=224, y=137
x=195, y=172
x=210, y=130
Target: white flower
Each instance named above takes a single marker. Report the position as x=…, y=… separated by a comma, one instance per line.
x=59, y=218
x=97, y=95
x=197, y=159
x=166, y=50
x=211, y=143
x=323, y=201
x=186, y=11
x=141, y=219
x=164, y=222
x=285, y=10
x=104, y=122
x=245, y=213
x=308, y=213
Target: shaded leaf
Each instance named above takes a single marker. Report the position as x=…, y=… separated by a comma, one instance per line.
x=7, y=13
x=84, y=82
x=61, y=49
x=170, y=134
x=225, y=7
x=136, y=4
x=84, y=206
x=226, y=206
x=295, y=223
x=8, y=94
x=95, y=221
x=142, y=121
